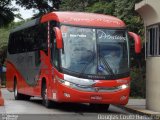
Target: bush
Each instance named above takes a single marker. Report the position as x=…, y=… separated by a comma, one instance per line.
x=3, y=78
x=138, y=82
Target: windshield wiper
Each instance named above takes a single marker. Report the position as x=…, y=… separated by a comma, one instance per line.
x=104, y=61
x=107, y=67
x=86, y=65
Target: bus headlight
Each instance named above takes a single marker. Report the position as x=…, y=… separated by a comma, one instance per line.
x=75, y=82
x=70, y=84
x=124, y=86
x=79, y=81
x=64, y=82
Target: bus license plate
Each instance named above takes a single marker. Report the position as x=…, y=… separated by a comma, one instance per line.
x=96, y=97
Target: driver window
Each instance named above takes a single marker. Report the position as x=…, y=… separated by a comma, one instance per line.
x=55, y=54
x=54, y=50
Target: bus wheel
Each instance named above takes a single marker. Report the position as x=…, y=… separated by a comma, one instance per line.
x=25, y=97
x=17, y=96
x=46, y=102
x=99, y=107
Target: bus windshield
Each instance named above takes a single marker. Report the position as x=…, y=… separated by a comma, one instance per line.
x=94, y=51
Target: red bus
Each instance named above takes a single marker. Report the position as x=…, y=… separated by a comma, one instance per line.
x=71, y=57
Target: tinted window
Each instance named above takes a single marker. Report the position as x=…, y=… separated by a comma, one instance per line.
x=54, y=50
x=30, y=39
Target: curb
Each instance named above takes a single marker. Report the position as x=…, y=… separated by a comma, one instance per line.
x=135, y=111
x=131, y=110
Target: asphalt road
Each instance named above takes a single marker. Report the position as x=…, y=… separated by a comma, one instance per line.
x=33, y=109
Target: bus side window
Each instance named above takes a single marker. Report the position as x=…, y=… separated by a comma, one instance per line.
x=11, y=44
x=41, y=37
x=55, y=54
x=54, y=51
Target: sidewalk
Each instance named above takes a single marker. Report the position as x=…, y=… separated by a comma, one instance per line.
x=139, y=106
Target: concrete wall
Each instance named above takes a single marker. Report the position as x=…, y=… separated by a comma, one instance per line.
x=153, y=83
x=150, y=12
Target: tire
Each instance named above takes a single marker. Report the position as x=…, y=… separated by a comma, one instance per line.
x=99, y=107
x=25, y=97
x=19, y=96
x=46, y=102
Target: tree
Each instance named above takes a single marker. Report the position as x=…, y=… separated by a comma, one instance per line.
x=102, y=7
x=6, y=12
x=43, y=6
x=73, y=5
x=76, y=5
x=4, y=36
x=124, y=9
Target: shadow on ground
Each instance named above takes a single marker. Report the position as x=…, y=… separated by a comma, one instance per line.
x=73, y=107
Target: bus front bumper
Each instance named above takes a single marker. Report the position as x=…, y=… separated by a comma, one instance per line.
x=67, y=94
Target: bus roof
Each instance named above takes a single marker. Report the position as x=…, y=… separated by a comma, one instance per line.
x=76, y=18
x=84, y=19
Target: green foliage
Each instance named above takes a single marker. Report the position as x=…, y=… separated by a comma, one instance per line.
x=124, y=9
x=101, y=7
x=6, y=12
x=74, y=5
x=138, y=82
x=4, y=35
x=97, y=6
x=43, y=6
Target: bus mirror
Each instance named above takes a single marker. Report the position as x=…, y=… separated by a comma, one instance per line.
x=58, y=37
x=137, y=42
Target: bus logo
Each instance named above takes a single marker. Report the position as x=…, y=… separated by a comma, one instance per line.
x=96, y=89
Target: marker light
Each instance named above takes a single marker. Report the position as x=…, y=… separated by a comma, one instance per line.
x=67, y=95
x=67, y=83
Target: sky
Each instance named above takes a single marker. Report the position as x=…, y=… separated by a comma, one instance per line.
x=24, y=13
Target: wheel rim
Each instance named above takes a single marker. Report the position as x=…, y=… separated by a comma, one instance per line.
x=15, y=91
x=45, y=99
x=45, y=94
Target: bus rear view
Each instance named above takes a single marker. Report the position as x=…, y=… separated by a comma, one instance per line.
x=87, y=59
